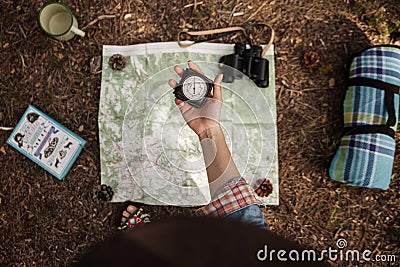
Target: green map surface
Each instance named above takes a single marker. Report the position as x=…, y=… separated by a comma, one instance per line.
x=148, y=154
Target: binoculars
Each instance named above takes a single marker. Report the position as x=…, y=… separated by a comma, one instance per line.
x=248, y=62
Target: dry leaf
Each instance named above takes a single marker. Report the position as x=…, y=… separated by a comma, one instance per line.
x=3, y=150
x=280, y=117
x=59, y=56
x=95, y=64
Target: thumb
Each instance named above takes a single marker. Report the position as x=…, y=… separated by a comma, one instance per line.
x=217, y=87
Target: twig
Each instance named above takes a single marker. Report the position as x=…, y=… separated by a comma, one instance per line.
x=315, y=128
x=232, y=14
x=237, y=14
x=105, y=218
x=311, y=89
x=307, y=105
x=22, y=30
x=255, y=13
x=23, y=62
x=101, y=17
x=23, y=39
x=195, y=4
x=6, y=128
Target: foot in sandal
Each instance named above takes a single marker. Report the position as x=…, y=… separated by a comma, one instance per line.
x=132, y=217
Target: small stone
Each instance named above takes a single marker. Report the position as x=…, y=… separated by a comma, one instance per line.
x=128, y=16
x=80, y=129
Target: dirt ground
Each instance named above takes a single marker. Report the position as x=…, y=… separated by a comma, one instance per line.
x=45, y=222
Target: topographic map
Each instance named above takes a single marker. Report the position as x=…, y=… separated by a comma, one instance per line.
x=148, y=154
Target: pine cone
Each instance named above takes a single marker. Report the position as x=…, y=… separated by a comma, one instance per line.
x=117, y=62
x=311, y=59
x=265, y=189
x=106, y=193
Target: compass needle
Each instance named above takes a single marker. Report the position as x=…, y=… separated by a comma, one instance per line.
x=193, y=87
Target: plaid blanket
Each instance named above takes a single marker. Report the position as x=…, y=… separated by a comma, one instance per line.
x=366, y=152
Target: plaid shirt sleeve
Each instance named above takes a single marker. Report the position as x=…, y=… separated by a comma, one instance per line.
x=233, y=196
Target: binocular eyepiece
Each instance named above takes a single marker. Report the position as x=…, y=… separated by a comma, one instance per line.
x=248, y=62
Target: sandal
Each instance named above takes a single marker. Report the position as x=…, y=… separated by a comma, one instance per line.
x=136, y=219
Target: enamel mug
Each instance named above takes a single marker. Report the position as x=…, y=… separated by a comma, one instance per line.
x=57, y=20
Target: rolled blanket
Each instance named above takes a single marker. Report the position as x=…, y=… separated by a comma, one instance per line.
x=365, y=153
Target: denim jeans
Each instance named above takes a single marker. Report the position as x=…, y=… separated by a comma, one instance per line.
x=250, y=214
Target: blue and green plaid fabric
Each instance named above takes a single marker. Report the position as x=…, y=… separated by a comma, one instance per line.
x=367, y=159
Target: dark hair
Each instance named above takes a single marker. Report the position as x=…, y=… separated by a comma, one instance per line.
x=192, y=241
x=32, y=117
x=18, y=138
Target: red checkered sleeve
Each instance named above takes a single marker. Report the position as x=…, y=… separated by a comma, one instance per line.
x=233, y=196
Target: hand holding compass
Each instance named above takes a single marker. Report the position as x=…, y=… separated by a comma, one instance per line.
x=198, y=98
x=204, y=121
x=193, y=88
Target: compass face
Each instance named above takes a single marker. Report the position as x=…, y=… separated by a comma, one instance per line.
x=194, y=88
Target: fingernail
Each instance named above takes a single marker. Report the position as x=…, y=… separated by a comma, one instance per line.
x=219, y=78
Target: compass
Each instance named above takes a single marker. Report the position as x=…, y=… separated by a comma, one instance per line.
x=193, y=88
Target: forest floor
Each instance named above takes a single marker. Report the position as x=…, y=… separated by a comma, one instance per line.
x=45, y=222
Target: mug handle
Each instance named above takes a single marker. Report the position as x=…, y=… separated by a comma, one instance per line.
x=77, y=31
